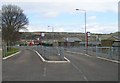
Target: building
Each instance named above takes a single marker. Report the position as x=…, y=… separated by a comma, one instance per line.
x=116, y=42
x=70, y=41
x=94, y=43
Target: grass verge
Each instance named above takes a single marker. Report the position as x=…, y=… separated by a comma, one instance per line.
x=12, y=51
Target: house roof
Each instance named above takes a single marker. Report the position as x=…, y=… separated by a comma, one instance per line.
x=115, y=38
x=72, y=39
x=93, y=43
x=116, y=43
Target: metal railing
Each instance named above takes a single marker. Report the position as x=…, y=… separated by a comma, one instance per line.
x=50, y=53
x=58, y=52
x=106, y=52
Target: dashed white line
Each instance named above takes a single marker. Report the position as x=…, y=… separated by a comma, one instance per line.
x=79, y=71
x=44, y=71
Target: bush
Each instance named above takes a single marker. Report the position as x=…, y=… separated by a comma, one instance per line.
x=45, y=44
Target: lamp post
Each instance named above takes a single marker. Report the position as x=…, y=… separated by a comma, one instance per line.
x=85, y=27
x=52, y=32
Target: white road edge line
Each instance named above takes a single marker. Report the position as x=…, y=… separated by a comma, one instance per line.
x=108, y=60
x=40, y=56
x=67, y=61
x=11, y=55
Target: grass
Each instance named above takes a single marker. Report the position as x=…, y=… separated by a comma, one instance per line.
x=12, y=51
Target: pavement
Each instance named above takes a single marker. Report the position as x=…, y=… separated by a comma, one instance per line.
x=28, y=66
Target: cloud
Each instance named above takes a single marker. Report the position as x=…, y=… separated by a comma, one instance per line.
x=43, y=28
x=53, y=8
x=91, y=27
x=69, y=5
x=92, y=18
x=102, y=28
x=33, y=28
x=50, y=14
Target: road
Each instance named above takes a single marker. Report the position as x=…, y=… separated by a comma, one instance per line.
x=27, y=66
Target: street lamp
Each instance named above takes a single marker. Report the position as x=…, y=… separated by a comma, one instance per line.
x=52, y=28
x=85, y=26
x=52, y=32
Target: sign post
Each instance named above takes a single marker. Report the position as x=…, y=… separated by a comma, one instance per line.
x=41, y=36
x=87, y=35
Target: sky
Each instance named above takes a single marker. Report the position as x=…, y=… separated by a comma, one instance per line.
x=61, y=15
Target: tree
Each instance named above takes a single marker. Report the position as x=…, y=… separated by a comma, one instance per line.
x=13, y=20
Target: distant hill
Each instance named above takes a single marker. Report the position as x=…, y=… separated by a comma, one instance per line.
x=61, y=35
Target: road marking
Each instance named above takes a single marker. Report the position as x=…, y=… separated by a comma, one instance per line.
x=58, y=61
x=44, y=71
x=11, y=55
x=79, y=71
x=67, y=61
x=79, y=53
x=97, y=57
x=108, y=60
x=40, y=56
x=88, y=55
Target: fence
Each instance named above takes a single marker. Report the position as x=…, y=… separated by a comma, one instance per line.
x=105, y=52
x=57, y=53
x=50, y=53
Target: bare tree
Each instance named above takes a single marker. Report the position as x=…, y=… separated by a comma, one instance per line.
x=13, y=20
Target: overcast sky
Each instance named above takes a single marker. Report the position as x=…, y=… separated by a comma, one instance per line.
x=102, y=15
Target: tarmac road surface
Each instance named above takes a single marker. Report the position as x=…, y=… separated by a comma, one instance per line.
x=27, y=66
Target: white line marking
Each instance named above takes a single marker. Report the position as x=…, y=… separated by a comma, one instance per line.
x=88, y=55
x=11, y=55
x=97, y=57
x=79, y=53
x=80, y=71
x=57, y=61
x=108, y=60
x=67, y=61
x=40, y=56
x=44, y=71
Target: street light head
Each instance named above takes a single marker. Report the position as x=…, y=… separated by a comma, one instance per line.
x=77, y=9
x=80, y=10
